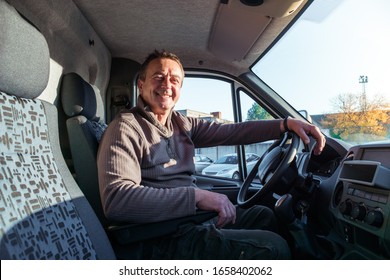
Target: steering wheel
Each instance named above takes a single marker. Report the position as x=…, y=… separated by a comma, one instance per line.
x=270, y=167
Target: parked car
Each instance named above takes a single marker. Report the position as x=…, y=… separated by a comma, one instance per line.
x=227, y=166
x=201, y=162
x=68, y=67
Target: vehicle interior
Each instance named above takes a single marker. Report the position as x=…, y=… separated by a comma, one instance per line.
x=68, y=67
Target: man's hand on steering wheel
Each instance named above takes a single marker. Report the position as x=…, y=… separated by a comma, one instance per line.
x=304, y=130
x=277, y=159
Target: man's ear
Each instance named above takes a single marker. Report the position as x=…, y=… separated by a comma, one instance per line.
x=140, y=85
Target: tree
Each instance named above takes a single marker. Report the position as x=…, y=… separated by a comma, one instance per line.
x=358, y=117
x=257, y=113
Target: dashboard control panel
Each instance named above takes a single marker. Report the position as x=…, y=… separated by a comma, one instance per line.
x=361, y=199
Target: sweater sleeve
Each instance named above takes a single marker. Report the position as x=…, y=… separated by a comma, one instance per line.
x=123, y=197
x=207, y=135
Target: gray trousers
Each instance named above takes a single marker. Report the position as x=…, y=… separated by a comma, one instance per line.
x=253, y=236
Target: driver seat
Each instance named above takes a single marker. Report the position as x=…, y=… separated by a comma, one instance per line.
x=85, y=125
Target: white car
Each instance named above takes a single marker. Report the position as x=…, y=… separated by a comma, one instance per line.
x=201, y=162
x=227, y=166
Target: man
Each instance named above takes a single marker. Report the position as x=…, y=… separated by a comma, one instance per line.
x=145, y=163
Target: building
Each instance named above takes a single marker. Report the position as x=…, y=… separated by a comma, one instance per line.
x=213, y=116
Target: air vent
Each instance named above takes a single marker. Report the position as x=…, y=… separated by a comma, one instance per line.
x=338, y=194
x=350, y=156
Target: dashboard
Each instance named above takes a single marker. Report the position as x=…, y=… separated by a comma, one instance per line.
x=361, y=200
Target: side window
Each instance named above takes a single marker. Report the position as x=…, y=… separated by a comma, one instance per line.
x=250, y=111
x=211, y=99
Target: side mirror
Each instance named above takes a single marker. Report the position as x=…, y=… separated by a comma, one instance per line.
x=306, y=115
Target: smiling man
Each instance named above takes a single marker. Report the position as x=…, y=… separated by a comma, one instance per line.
x=160, y=85
x=145, y=165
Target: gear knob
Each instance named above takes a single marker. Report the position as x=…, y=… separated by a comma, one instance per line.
x=284, y=209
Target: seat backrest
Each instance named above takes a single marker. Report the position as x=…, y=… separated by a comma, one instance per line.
x=85, y=125
x=43, y=213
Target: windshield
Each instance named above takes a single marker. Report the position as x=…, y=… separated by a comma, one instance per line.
x=334, y=64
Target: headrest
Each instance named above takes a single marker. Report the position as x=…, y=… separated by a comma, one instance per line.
x=25, y=58
x=78, y=97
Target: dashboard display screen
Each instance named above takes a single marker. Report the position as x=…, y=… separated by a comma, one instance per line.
x=377, y=154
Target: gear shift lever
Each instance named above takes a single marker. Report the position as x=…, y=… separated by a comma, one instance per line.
x=284, y=210
x=305, y=245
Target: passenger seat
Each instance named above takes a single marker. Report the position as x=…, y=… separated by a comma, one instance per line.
x=43, y=213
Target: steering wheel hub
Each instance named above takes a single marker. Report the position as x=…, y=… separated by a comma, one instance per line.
x=269, y=164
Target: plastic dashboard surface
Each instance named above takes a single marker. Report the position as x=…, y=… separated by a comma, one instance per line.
x=361, y=200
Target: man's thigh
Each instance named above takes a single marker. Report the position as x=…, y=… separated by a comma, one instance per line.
x=256, y=217
x=250, y=238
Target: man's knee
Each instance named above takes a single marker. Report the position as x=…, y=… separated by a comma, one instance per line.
x=258, y=217
x=256, y=244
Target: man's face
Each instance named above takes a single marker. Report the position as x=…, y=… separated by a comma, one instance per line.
x=161, y=88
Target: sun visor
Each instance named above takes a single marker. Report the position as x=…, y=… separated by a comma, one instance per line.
x=239, y=24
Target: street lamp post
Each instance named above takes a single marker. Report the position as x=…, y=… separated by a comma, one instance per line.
x=363, y=80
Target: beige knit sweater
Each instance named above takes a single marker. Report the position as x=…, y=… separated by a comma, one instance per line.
x=145, y=169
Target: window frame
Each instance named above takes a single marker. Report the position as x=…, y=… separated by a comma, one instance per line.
x=237, y=88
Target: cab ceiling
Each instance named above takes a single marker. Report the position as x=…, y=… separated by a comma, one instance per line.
x=221, y=35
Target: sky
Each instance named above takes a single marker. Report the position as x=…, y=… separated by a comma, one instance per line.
x=326, y=58
x=210, y=96
x=322, y=57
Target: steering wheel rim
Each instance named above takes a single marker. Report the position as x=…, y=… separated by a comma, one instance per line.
x=271, y=165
